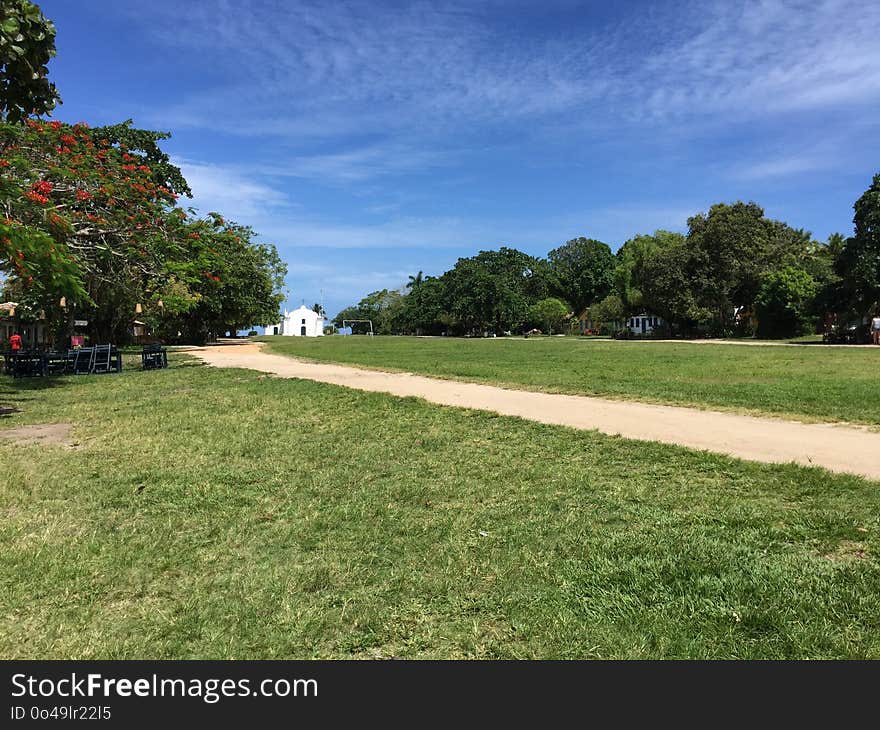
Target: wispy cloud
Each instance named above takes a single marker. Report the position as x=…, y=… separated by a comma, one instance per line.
x=363, y=163
x=781, y=167
x=243, y=196
x=758, y=58
x=355, y=93
x=294, y=69
x=226, y=188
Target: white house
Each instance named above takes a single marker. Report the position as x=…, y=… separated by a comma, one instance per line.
x=302, y=322
x=643, y=324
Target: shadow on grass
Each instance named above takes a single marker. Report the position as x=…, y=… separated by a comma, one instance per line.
x=190, y=363
x=9, y=386
x=13, y=392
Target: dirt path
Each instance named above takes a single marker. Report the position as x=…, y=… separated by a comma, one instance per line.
x=841, y=448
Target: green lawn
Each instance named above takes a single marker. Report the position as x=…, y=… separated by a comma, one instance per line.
x=808, y=383
x=223, y=514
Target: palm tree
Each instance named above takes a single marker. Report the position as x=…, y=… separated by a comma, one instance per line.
x=414, y=285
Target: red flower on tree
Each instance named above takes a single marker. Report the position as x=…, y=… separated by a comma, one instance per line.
x=36, y=197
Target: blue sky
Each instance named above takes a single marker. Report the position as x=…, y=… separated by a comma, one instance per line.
x=371, y=140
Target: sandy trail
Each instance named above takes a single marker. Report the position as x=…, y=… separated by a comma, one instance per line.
x=837, y=447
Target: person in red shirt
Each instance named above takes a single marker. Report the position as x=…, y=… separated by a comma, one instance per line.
x=15, y=342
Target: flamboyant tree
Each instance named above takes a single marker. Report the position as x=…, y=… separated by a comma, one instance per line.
x=225, y=282
x=109, y=214
x=97, y=210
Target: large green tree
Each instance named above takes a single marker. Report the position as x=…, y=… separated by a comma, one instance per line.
x=226, y=282
x=97, y=208
x=671, y=286
x=422, y=309
x=550, y=313
x=583, y=269
x=494, y=290
x=631, y=261
x=728, y=246
x=859, y=261
x=784, y=303
x=712, y=278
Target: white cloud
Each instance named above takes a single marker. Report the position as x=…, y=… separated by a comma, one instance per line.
x=347, y=68
x=363, y=163
x=781, y=167
x=242, y=194
x=229, y=190
x=758, y=58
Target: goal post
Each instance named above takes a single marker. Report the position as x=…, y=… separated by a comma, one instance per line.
x=355, y=321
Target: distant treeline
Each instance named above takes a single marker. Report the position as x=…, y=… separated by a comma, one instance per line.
x=735, y=272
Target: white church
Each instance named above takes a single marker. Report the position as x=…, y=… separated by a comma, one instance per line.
x=302, y=322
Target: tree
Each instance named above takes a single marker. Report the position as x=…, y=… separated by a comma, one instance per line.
x=236, y=283
x=382, y=308
x=631, y=261
x=97, y=206
x=711, y=279
x=27, y=42
x=422, y=307
x=859, y=262
x=783, y=303
x=671, y=285
x=411, y=315
x=494, y=290
x=550, y=312
x=100, y=202
x=583, y=269
x=728, y=246
x=608, y=314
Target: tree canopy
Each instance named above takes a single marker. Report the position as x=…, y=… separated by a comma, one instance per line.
x=859, y=261
x=735, y=271
x=90, y=215
x=27, y=43
x=584, y=270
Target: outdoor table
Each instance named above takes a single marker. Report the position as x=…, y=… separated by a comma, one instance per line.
x=116, y=359
x=58, y=363
x=154, y=357
x=28, y=364
x=85, y=360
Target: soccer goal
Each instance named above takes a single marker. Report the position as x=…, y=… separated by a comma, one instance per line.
x=345, y=324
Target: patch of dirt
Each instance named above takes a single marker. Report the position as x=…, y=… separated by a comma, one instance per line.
x=847, y=550
x=44, y=433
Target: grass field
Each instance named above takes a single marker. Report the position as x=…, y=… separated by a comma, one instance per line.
x=808, y=383
x=205, y=513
